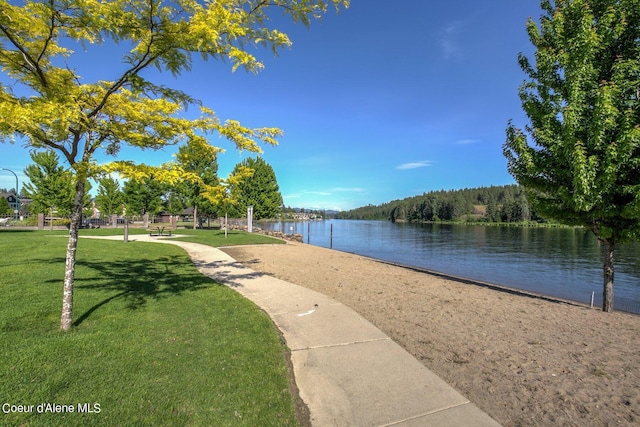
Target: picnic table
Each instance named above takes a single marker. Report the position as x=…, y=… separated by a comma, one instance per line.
x=160, y=229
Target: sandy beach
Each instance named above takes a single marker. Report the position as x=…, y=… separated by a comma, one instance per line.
x=524, y=360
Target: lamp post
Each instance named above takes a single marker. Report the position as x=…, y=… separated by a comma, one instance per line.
x=17, y=211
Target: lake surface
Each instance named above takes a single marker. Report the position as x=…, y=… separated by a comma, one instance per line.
x=560, y=262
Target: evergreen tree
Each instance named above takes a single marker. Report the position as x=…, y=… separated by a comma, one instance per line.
x=202, y=160
x=5, y=207
x=50, y=186
x=142, y=196
x=110, y=197
x=174, y=198
x=260, y=190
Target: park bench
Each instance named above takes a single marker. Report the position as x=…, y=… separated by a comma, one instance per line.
x=160, y=229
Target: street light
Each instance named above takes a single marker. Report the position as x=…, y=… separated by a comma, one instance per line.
x=17, y=212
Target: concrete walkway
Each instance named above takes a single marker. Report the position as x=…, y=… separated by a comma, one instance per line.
x=348, y=372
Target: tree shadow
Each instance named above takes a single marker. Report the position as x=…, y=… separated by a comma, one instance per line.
x=229, y=273
x=136, y=281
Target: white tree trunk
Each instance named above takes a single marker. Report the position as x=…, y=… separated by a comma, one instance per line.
x=66, y=319
x=195, y=217
x=607, y=292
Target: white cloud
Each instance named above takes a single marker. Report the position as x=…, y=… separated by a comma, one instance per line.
x=449, y=49
x=348, y=189
x=414, y=165
x=452, y=27
x=448, y=40
x=467, y=141
x=331, y=191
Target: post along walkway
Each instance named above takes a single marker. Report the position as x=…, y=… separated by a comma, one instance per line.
x=348, y=372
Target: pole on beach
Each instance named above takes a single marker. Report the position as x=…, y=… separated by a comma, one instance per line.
x=331, y=237
x=308, y=231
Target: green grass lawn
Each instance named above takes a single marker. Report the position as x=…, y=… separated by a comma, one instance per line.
x=154, y=342
x=207, y=237
x=216, y=238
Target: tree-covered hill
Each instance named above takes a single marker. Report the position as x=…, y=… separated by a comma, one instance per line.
x=491, y=204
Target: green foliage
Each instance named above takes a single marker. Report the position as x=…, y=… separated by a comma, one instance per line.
x=48, y=104
x=50, y=186
x=580, y=156
x=491, y=204
x=110, y=197
x=155, y=342
x=142, y=196
x=174, y=200
x=260, y=190
x=201, y=160
x=5, y=207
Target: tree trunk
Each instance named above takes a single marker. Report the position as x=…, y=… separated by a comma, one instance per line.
x=70, y=264
x=195, y=217
x=607, y=293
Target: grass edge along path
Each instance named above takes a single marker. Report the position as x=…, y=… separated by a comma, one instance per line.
x=154, y=341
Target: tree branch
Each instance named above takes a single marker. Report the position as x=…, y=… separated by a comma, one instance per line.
x=51, y=32
x=32, y=64
x=141, y=64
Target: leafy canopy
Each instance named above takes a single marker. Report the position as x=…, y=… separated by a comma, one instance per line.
x=143, y=196
x=110, y=197
x=580, y=156
x=259, y=190
x=45, y=102
x=5, y=207
x=201, y=160
x=50, y=105
x=50, y=185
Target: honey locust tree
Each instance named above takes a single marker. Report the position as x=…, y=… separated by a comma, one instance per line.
x=46, y=103
x=580, y=156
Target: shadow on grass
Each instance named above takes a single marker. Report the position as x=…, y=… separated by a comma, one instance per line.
x=137, y=281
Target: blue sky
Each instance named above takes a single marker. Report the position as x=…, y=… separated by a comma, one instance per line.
x=388, y=99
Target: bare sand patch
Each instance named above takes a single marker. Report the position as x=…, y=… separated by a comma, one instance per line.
x=523, y=360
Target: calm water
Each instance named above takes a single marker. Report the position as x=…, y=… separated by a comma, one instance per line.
x=560, y=262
